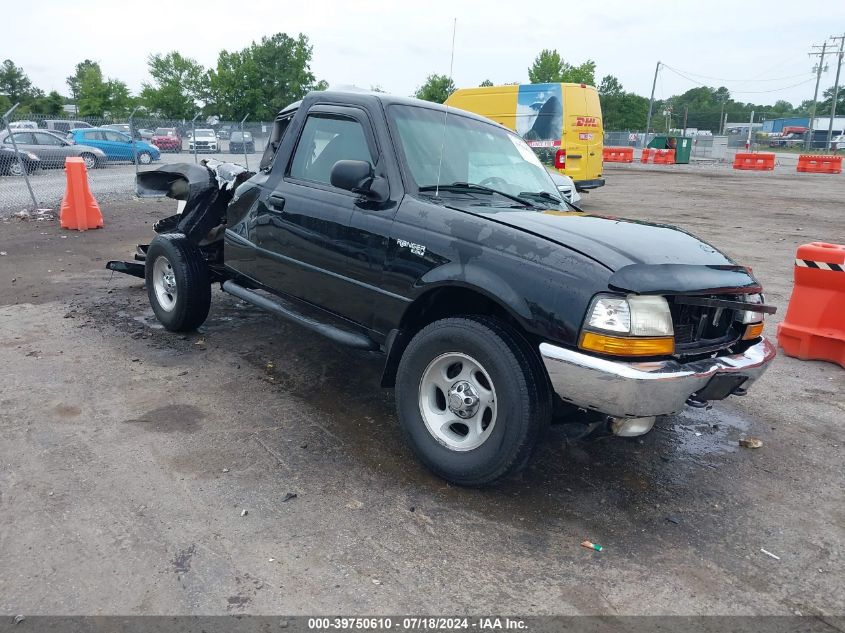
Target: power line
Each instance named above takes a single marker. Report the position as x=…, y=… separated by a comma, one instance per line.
x=747, y=92
x=777, y=66
x=736, y=80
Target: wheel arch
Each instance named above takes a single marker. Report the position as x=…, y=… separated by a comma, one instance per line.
x=444, y=300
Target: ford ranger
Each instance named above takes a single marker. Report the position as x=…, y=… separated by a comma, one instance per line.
x=437, y=238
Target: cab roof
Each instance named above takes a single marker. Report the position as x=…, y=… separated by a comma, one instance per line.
x=368, y=97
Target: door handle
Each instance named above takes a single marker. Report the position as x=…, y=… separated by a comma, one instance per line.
x=275, y=202
x=574, y=156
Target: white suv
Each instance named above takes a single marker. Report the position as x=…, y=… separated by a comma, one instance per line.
x=206, y=141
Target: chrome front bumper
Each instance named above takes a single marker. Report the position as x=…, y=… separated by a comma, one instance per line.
x=638, y=389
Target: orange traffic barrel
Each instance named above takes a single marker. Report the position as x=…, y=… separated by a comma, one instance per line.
x=814, y=326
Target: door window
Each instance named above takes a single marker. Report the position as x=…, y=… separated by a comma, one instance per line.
x=47, y=139
x=21, y=138
x=324, y=141
x=93, y=136
x=276, y=136
x=116, y=137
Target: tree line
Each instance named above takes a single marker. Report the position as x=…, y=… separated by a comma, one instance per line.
x=704, y=107
x=262, y=78
x=256, y=81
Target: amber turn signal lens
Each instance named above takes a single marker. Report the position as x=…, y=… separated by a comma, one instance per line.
x=628, y=346
x=753, y=331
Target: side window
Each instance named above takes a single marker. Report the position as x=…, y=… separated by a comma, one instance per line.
x=325, y=140
x=276, y=136
x=22, y=138
x=115, y=136
x=47, y=139
x=93, y=136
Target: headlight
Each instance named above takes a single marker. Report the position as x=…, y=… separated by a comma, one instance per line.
x=32, y=156
x=637, y=315
x=747, y=316
x=611, y=315
x=753, y=321
x=640, y=325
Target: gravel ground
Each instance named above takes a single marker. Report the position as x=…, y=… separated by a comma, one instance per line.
x=130, y=454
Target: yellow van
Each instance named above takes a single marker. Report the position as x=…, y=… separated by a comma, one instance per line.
x=564, y=118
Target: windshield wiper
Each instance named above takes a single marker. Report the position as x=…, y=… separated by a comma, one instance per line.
x=469, y=186
x=545, y=195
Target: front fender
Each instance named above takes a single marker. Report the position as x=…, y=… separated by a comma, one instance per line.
x=482, y=280
x=547, y=297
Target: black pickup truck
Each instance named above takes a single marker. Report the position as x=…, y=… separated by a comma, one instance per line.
x=437, y=238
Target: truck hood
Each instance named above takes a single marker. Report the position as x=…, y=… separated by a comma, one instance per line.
x=644, y=257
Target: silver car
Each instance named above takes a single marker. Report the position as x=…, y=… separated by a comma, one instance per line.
x=565, y=186
x=52, y=149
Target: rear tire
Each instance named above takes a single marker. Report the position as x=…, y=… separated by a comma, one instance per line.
x=472, y=399
x=178, y=284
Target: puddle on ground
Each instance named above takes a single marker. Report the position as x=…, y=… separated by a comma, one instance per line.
x=711, y=431
x=147, y=319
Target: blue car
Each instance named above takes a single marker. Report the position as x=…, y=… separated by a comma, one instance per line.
x=116, y=145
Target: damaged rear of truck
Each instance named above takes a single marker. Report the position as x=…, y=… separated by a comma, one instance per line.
x=192, y=239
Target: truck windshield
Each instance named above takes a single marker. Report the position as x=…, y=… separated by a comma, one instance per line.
x=474, y=152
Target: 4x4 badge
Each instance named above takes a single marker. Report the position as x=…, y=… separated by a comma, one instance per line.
x=416, y=249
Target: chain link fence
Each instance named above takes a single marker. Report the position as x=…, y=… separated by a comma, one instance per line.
x=114, y=151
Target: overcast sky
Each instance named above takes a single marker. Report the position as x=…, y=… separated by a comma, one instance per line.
x=396, y=44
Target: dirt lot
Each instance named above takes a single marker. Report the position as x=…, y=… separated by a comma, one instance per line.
x=128, y=454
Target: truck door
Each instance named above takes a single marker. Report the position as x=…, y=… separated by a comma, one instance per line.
x=322, y=244
x=583, y=135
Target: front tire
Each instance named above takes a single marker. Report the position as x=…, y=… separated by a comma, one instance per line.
x=90, y=160
x=145, y=158
x=472, y=400
x=178, y=284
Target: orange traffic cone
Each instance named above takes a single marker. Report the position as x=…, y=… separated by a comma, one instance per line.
x=79, y=208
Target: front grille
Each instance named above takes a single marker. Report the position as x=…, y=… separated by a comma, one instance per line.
x=700, y=329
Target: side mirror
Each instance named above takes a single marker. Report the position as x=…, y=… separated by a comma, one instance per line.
x=357, y=176
x=352, y=175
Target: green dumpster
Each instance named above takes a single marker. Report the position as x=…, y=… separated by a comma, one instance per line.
x=681, y=144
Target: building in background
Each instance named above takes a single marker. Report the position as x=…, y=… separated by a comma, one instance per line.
x=775, y=126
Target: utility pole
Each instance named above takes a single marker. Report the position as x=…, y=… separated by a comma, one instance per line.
x=750, y=128
x=809, y=142
x=841, y=39
x=650, y=105
x=686, y=112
